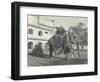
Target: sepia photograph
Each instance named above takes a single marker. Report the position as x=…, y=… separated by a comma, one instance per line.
x=57, y=40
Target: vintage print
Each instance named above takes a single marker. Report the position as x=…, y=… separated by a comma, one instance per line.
x=57, y=40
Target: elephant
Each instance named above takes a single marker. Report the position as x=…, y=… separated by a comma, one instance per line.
x=60, y=43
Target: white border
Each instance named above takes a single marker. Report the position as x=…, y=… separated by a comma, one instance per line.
x=24, y=70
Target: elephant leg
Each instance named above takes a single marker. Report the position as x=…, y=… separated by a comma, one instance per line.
x=72, y=54
x=51, y=53
x=78, y=53
x=66, y=56
x=50, y=50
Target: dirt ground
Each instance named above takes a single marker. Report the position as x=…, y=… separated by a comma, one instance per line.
x=60, y=59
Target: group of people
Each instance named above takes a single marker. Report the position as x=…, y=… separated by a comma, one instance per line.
x=37, y=50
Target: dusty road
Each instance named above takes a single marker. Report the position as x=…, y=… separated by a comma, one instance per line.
x=57, y=59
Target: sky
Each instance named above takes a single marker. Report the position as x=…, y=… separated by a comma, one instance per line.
x=65, y=21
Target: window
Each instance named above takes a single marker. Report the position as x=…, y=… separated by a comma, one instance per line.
x=30, y=31
x=46, y=32
x=41, y=43
x=30, y=45
x=50, y=32
x=40, y=33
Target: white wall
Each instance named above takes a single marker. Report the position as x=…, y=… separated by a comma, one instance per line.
x=5, y=42
x=35, y=34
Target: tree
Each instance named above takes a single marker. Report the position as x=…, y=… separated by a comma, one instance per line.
x=79, y=35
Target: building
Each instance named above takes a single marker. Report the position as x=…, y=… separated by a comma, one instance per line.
x=39, y=31
x=41, y=28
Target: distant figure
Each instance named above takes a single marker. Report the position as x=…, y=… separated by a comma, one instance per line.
x=37, y=51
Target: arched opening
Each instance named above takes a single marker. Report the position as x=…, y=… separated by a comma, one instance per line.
x=30, y=31
x=30, y=45
x=40, y=33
